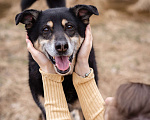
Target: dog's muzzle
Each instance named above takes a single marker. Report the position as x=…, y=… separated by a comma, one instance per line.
x=61, y=63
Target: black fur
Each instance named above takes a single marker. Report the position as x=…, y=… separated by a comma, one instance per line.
x=51, y=3
x=34, y=20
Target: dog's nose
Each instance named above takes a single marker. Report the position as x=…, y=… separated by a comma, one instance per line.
x=61, y=46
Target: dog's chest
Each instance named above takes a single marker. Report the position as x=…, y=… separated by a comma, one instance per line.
x=69, y=89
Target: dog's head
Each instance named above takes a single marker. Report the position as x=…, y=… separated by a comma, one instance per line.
x=58, y=33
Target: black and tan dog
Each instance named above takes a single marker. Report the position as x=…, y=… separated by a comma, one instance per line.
x=58, y=33
x=51, y=3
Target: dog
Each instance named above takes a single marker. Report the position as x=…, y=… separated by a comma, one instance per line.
x=59, y=34
x=51, y=3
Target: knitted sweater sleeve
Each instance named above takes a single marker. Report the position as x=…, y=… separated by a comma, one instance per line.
x=55, y=102
x=90, y=99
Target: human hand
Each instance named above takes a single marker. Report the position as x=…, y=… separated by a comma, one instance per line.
x=44, y=63
x=109, y=106
x=82, y=65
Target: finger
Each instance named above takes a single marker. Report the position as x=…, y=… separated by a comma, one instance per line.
x=88, y=31
x=88, y=37
x=30, y=48
x=109, y=101
x=27, y=37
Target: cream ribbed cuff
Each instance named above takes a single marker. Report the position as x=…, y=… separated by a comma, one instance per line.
x=55, y=102
x=91, y=101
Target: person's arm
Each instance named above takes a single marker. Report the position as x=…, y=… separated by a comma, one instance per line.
x=91, y=101
x=55, y=102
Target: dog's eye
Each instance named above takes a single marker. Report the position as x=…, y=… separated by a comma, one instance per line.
x=69, y=27
x=46, y=29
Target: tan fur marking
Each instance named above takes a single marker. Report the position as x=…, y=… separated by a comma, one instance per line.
x=72, y=64
x=86, y=21
x=42, y=42
x=50, y=23
x=36, y=45
x=64, y=21
x=79, y=40
x=39, y=44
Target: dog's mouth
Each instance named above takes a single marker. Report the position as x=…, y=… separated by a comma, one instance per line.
x=61, y=63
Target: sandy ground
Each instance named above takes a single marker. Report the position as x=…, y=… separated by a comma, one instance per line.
x=121, y=43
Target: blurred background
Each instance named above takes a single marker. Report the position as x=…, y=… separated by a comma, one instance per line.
x=121, y=39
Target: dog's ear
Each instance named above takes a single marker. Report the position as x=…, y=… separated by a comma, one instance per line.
x=84, y=12
x=27, y=17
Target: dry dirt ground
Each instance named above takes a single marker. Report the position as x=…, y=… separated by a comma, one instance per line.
x=122, y=45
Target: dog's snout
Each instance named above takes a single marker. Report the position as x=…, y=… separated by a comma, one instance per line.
x=61, y=46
